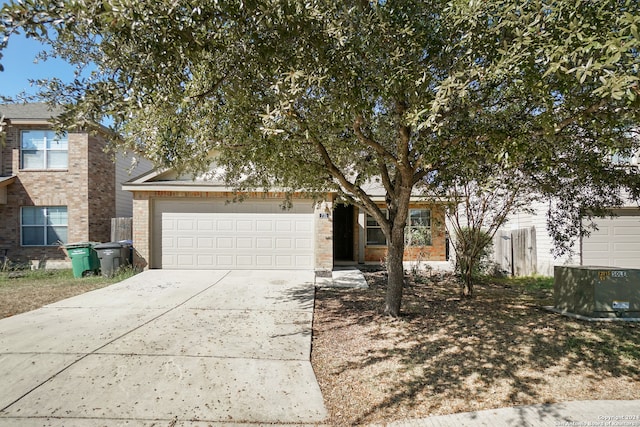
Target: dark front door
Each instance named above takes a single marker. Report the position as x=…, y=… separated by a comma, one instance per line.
x=343, y=233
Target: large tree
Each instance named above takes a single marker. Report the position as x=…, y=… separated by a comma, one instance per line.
x=322, y=95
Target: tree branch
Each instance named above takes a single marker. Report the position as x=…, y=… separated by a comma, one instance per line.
x=211, y=90
x=378, y=148
x=570, y=120
x=356, y=191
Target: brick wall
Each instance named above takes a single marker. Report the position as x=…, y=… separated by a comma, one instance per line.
x=101, y=189
x=435, y=252
x=90, y=174
x=9, y=214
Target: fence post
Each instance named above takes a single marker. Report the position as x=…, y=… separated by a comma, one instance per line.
x=524, y=251
x=502, y=251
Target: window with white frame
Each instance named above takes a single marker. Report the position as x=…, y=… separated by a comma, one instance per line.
x=418, y=231
x=43, y=225
x=375, y=236
x=43, y=149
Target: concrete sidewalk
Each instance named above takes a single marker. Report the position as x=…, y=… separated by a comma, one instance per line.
x=583, y=413
x=166, y=348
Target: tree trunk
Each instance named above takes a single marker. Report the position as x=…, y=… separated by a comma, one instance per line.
x=467, y=284
x=466, y=270
x=395, y=271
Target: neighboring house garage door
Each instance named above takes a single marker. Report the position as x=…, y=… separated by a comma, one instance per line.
x=213, y=234
x=616, y=243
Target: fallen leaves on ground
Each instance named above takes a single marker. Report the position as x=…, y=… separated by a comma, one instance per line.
x=447, y=355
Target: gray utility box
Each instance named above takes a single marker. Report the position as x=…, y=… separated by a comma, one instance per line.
x=597, y=291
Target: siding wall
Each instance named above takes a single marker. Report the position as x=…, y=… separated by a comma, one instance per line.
x=126, y=169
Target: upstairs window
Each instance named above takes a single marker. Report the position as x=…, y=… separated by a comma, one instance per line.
x=44, y=225
x=44, y=149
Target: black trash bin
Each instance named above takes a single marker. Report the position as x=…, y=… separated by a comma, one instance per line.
x=112, y=255
x=127, y=250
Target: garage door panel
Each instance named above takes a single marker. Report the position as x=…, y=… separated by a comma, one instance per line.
x=168, y=242
x=264, y=243
x=185, y=259
x=303, y=259
x=244, y=261
x=224, y=225
x=205, y=243
x=244, y=225
x=630, y=232
x=185, y=224
x=186, y=243
x=224, y=243
x=169, y=259
x=284, y=261
x=263, y=260
x=244, y=242
x=205, y=234
x=304, y=243
x=204, y=259
x=205, y=225
x=302, y=227
x=283, y=244
x=630, y=247
x=599, y=246
x=222, y=261
x=283, y=226
x=616, y=243
x=263, y=225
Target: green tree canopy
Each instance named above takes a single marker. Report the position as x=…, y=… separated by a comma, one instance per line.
x=322, y=95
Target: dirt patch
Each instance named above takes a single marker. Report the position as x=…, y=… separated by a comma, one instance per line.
x=447, y=355
x=22, y=291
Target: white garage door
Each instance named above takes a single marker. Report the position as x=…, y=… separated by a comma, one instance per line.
x=616, y=243
x=213, y=234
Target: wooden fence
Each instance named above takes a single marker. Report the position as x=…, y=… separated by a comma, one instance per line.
x=121, y=229
x=515, y=251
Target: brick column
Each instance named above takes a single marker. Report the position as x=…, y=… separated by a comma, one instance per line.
x=141, y=229
x=324, y=237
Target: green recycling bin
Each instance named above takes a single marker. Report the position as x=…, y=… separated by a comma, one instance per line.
x=83, y=258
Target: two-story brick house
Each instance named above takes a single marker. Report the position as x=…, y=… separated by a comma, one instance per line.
x=54, y=188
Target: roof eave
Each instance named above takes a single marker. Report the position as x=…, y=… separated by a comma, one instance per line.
x=14, y=122
x=7, y=180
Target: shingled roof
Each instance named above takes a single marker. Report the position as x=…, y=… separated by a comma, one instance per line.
x=30, y=111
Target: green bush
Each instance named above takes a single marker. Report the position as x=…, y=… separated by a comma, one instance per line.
x=473, y=248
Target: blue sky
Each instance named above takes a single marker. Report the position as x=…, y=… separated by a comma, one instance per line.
x=19, y=67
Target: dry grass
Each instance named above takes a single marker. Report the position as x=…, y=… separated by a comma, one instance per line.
x=447, y=355
x=22, y=291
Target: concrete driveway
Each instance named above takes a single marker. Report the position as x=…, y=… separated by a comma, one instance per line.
x=166, y=348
